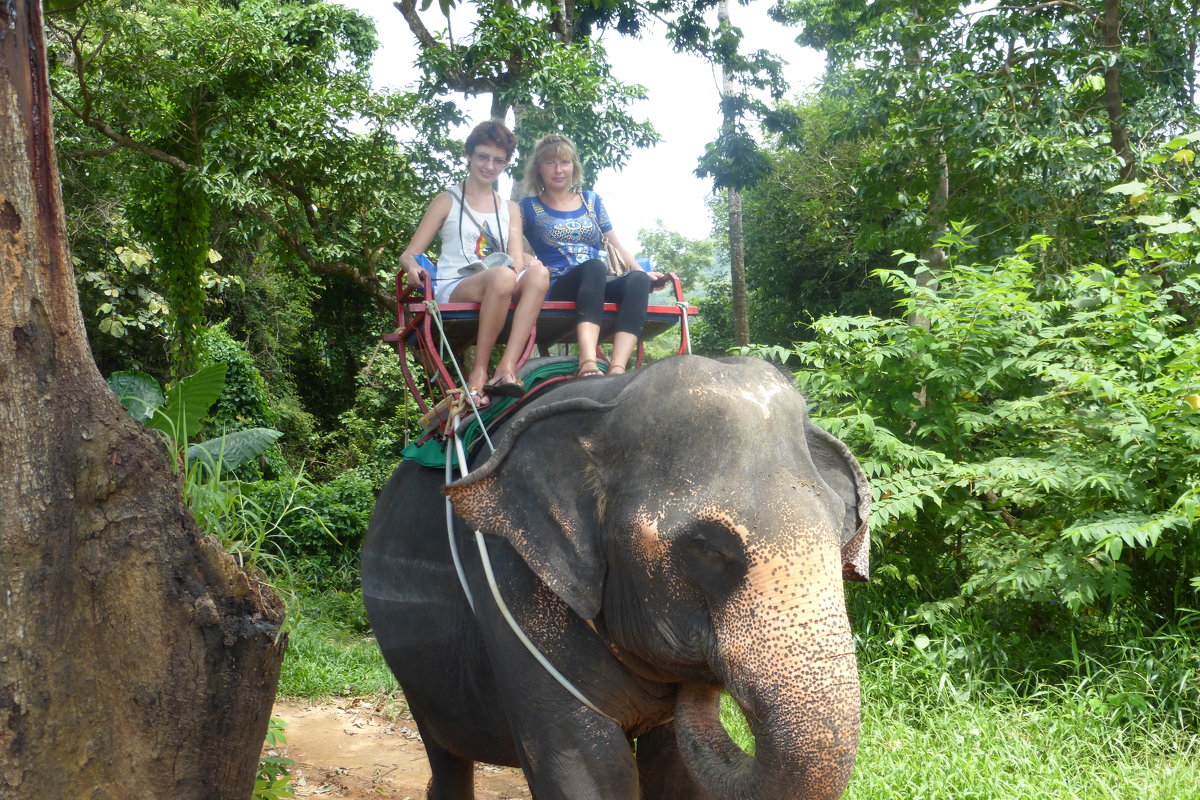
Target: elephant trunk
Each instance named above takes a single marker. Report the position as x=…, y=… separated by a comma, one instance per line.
x=803, y=709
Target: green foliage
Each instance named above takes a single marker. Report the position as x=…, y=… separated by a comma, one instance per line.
x=244, y=400
x=531, y=58
x=998, y=746
x=326, y=661
x=668, y=251
x=803, y=230
x=1034, y=442
x=178, y=415
x=319, y=527
x=126, y=299
x=382, y=419
x=255, y=124
x=1005, y=105
x=712, y=332
x=251, y=523
x=171, y=212
x=138, y=392
x=188, y=402
x=273, y=780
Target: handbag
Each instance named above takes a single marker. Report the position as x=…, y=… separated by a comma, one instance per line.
x=616, y=264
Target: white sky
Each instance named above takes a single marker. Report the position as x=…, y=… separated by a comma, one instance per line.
x=657, y=183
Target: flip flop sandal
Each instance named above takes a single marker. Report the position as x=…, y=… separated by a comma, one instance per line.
x=513, y=388
x=480, y=399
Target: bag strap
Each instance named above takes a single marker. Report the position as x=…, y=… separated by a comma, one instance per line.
x=592, y=213
x=461, y=197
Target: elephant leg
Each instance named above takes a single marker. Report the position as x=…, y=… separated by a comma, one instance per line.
x=453, y=777
x=578, y=756
x=661, y=771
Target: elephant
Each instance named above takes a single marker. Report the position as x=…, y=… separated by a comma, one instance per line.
x=659, y=536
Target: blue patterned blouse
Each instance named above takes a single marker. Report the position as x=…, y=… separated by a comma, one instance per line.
x=565, y=239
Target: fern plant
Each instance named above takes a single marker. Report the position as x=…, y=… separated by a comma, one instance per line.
x=1036, y=439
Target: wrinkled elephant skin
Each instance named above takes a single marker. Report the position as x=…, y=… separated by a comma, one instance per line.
x=659, y=536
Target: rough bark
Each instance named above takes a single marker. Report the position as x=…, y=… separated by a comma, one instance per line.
x=737, y=270
x=136, y=659
x=737, y=245
x=1119, y=137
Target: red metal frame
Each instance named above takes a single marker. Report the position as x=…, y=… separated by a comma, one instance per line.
x=556, y=323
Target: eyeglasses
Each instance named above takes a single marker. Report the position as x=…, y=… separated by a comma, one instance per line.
x=483, y=159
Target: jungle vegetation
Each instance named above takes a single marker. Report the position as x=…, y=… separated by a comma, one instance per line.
x=976, y=245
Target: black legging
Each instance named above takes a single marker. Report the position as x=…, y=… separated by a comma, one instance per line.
x=588, y=285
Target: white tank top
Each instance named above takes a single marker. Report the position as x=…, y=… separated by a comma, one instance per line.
x=477, y=236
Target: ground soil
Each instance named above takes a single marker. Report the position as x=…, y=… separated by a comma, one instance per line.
x=356, y=748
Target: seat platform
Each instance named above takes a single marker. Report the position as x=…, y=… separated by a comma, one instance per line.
x=418, y=330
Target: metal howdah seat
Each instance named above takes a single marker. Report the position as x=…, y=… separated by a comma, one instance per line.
x=438, y=333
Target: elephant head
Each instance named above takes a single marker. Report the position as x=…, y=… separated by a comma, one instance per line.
x=705, y=526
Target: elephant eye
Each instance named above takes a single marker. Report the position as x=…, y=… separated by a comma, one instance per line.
x=706, y=549
x=713, y=554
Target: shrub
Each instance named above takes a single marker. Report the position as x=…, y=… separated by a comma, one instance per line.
x=322, y=543
x=1034, y=440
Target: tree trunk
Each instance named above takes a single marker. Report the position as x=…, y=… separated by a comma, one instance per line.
x=136, y=659
x=737, y=245
x=934, y=256
x=1119, y=138
x=737, y=271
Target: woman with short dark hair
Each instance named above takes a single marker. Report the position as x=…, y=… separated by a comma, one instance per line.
x=482, y=260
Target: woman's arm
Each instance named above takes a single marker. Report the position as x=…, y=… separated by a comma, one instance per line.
x=656, y=278
x=430, y=224
x=516, y=237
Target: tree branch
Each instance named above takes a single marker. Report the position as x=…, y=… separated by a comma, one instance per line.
x=122, y=139
x=409, y=11
x=455, y=78
x=338, y=268
x=306, y=201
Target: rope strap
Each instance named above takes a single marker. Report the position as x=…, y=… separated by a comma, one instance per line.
x=485, y=557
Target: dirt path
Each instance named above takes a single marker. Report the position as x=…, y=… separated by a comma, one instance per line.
x=348, y=749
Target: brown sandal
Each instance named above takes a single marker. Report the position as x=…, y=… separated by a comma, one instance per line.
x=585, y=372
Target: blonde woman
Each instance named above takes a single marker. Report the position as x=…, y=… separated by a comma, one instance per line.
x=477, y=228
x=567, y=229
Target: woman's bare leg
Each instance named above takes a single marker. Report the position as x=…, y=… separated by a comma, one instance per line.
x=587, y=334
x=529, y=293
x=493, y=290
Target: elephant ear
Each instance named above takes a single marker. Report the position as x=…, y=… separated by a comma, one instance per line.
x=539, y=491
x=841, y=470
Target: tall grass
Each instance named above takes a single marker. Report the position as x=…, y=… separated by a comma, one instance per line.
x=919, y=744
x=330, y=650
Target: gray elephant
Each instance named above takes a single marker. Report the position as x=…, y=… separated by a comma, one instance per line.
x=659, y=537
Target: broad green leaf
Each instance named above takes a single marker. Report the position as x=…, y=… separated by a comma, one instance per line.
x=138, y=392
x=232, y=449
x=188, y=402
x=1175, y=227
x=1131, y=189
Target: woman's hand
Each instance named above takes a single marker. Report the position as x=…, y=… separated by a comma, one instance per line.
x=415, y=275
x=658, y=279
